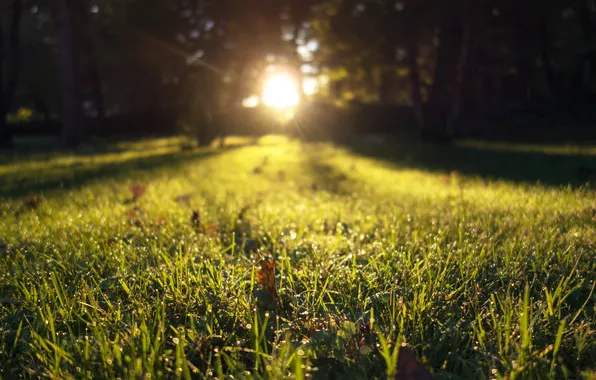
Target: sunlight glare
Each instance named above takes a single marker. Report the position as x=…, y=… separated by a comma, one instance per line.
x=310, y=85
x=251, y=101
x=280, y=91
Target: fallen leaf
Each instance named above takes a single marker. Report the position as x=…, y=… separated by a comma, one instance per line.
x=33, y=202
x=408, y=368
x=211, y=230
x=137, y=190
x=162, y=219
x=341, y=177
x=266, y=277
x=136, y=216
x=184, y=199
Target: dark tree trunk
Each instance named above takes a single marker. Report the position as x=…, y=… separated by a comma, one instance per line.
x=206, y=109
x=579, y=88
x=445, y=87
x=414, y=77
x=459, y=79
x=13, y=64
x=387, y=84
x=97, y=93
x=4, y=135
x=545, y=45
x=42, y=108
x=523, y=45
x=87, y=44
x=73, y=131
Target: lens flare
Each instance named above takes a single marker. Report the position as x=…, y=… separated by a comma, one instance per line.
x=280, y=91
x=251, y=101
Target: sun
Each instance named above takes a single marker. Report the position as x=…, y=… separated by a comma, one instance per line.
x=280, y=90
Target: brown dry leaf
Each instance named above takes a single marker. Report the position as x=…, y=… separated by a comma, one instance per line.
x=408, y=368
x=266, y=277
x=162, y=219
x=211, y=230
x=135, y=216
x=33, y=202
x=184, y=199
x=341, y=177
x=137, y=190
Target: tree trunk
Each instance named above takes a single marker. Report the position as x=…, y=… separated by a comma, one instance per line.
x=545, y=45
x=13, y=64
x=414, y=76
x=523, y=44
x=73, y=131
x=86, y=42
x=4, y=135
x=97, y=93
x=387, y=84
x=460, y=78
x=579, y=88
x=445, y=86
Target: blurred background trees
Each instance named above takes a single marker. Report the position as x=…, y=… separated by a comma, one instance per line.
x=98, y=66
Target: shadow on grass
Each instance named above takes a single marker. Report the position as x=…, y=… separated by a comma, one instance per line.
x=527, y=164
x=76, y=174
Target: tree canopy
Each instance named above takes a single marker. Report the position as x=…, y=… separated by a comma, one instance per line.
x=85, y=62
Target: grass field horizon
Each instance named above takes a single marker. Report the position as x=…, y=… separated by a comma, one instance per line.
x=140, y=260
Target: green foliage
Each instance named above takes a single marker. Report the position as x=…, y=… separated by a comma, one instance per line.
x=23, y=115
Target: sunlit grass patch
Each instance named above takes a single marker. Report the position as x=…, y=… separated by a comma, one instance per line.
x=483, y=277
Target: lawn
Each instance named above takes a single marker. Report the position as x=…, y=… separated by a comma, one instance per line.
x=141, y=260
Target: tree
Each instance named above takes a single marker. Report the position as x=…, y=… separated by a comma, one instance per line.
x=451, y=56
x=73, y=131
x=11, y=55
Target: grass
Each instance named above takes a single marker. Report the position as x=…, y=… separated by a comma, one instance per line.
x=485, y=277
